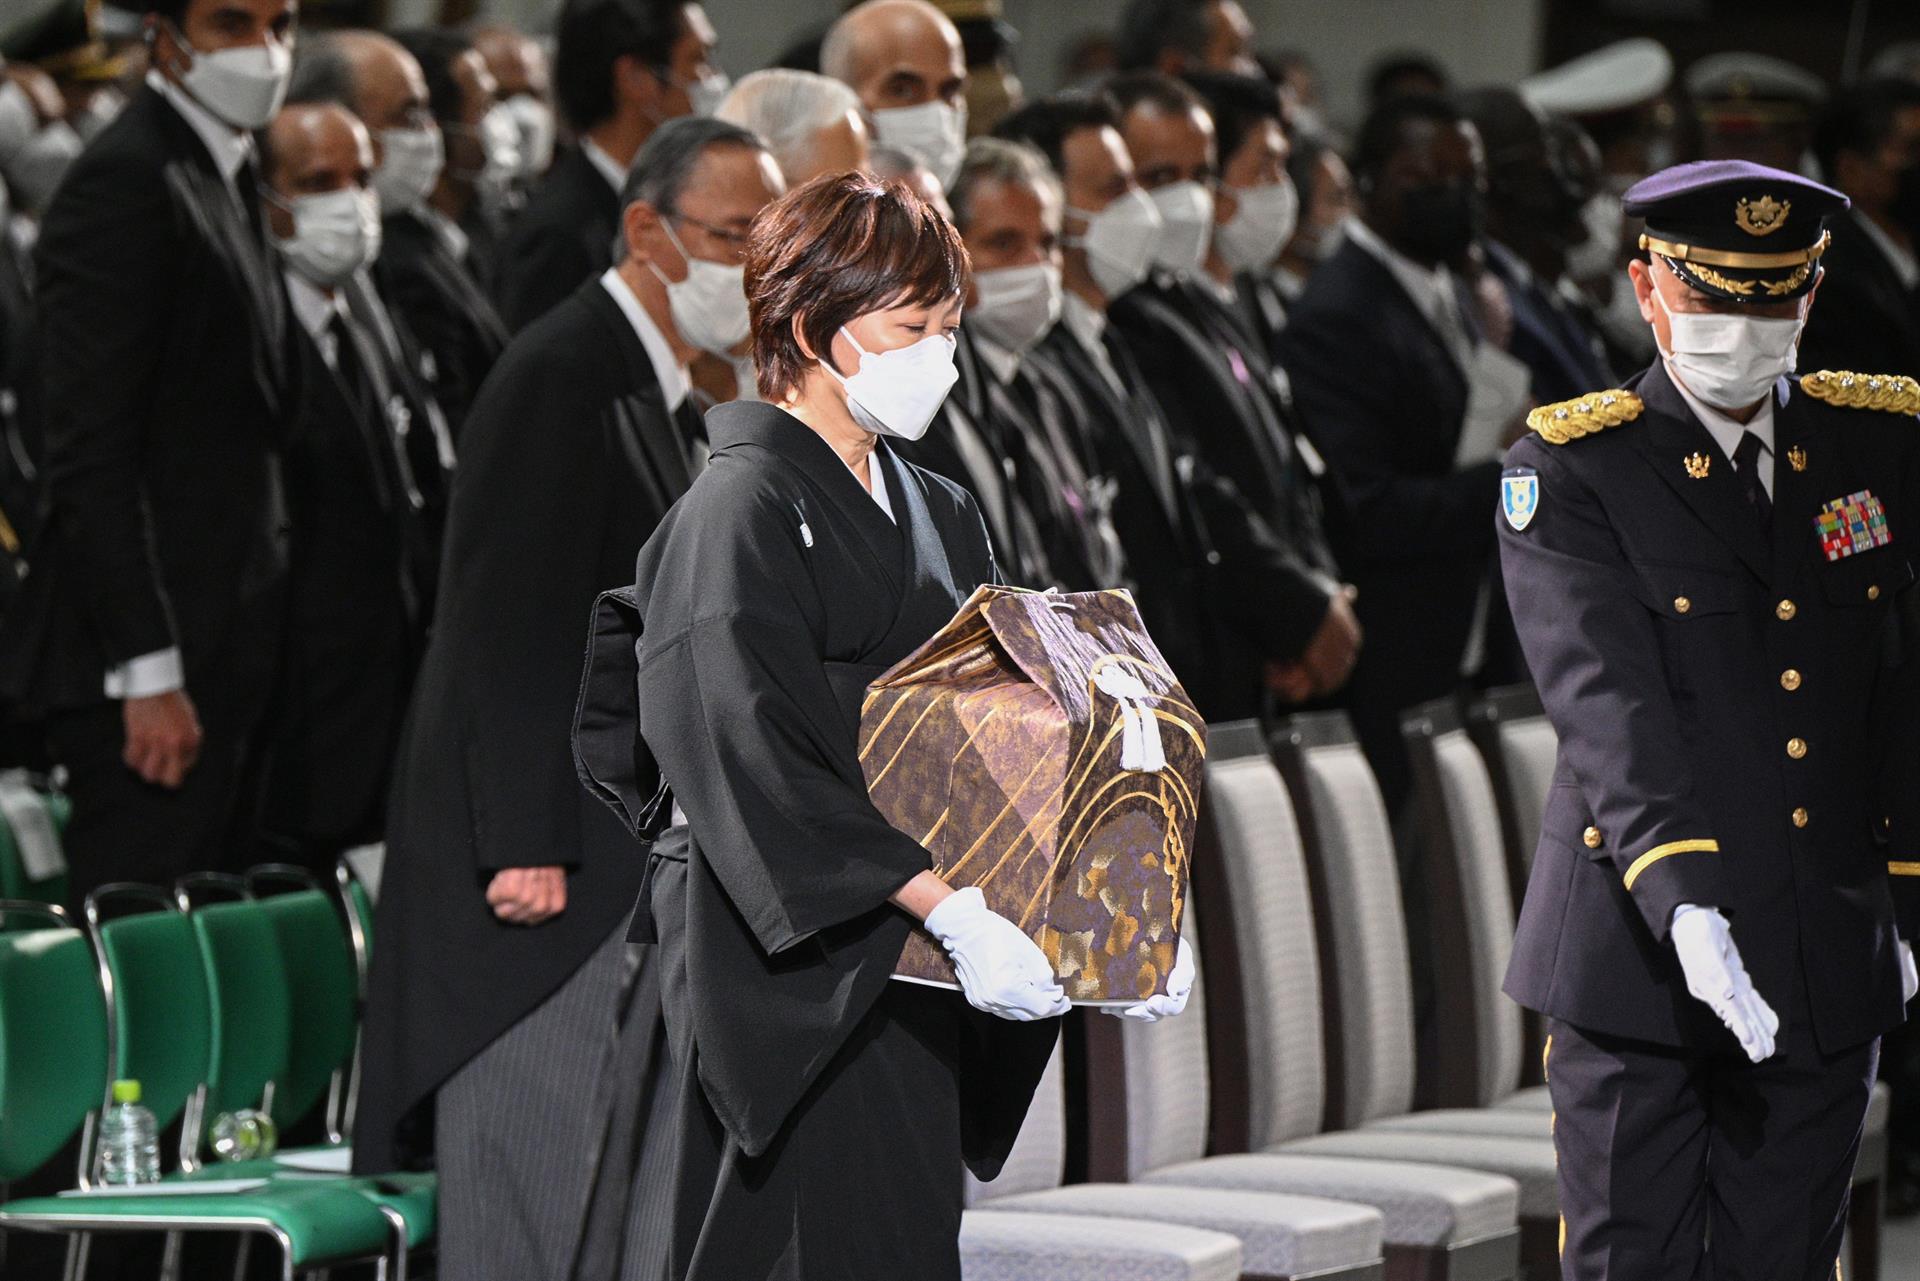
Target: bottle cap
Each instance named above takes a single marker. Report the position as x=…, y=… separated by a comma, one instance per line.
x=126, y=1091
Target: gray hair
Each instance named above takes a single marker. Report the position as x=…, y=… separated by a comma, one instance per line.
x=788, y=108
x=1001, y=160
x=659, y=173
x=321, y=72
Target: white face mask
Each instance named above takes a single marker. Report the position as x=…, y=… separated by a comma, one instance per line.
x=534, y=120
x=710, y=306
x=335, y=233
x=707, y=93
x=1599, y=254
x=897, y=393
x=1017, y=305
x=1262, y=224
x=37, y=168
x=101, y=110
x=410, y=164
x=1186, y=217
x=1731, y=362
x=243, y=87
x=934, y=133
x=1119, y=241
x=18, y=120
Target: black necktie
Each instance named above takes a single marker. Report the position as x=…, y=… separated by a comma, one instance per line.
x=1746, y=465
x=364, y=396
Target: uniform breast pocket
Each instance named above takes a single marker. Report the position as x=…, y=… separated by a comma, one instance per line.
x=1686, y=593
x=1870, y=579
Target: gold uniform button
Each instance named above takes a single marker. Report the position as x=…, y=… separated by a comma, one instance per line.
x=1785, y=610
x=1790, y=680
x=1681, y=604
x=1800, y=817
x=1873, y=591
x=1592, y=837
x=1796, y=747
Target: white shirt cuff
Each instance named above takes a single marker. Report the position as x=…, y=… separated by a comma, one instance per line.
x=157, y=673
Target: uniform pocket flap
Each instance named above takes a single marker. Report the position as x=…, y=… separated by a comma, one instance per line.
x=1686, y=591
x=1867, y=578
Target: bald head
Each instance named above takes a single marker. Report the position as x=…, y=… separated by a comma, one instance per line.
x=896, y=53
x=389, y=91
x=518, y=63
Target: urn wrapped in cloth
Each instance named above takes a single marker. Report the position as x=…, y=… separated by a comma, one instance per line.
x=1040, y=748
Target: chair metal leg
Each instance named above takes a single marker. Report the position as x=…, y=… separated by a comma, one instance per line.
x=242, y=1255
x=1865, y=1216
x=79, y=1246
x=170, y=1259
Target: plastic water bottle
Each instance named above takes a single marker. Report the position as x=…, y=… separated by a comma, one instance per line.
x=129, y=1140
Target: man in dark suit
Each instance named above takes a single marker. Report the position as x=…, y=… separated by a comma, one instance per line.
x=1869, y=315
x=1211, y=573
x=353, y=626
x=503, y=971
x=1217, y=384
x=1379, y=351
x=428, y=268
x=1712, y=577
x=621, y=69
x=153, y=613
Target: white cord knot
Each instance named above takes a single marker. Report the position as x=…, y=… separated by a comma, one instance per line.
x=1140, y=748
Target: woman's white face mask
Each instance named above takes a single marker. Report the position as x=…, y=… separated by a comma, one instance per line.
x=897, y=393
x=1729, y=361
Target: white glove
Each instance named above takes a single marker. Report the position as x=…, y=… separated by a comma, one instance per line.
x=1002, y=971
x=1717, y=976
x=1155, y=1008
x=1909, y=976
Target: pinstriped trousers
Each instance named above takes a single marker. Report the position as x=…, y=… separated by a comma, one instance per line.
x=539, y=1140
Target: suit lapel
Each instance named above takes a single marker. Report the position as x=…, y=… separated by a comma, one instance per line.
x=1673, y=435
x=644, y=413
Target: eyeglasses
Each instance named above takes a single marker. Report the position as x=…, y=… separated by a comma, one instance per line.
x=733, y=240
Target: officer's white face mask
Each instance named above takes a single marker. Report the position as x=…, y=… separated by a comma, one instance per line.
x=897, y=393
x=335, y=233
x=1730, y=361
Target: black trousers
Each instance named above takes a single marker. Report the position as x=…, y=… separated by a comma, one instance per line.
x=1677, y=1165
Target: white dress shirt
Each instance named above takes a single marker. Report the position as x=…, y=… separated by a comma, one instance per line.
x=1088, y=325
x=1726, y=431
x=162, y=672
x=612, y=170
x=675, y=381
x=316, y=310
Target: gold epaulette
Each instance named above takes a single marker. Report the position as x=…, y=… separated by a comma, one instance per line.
x=1591, y=413
x=1894, y=393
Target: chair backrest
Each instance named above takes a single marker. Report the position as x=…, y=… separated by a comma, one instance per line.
x=357, y=901
x=1366, y=982
x=1264, y=864
x=53, y=1038
x=251, y=1002
x=1520, y=748
x=160, y=1012
x=1167, y=1077
x=1038, y=1160
x=324, y=992
x=1480, y=1030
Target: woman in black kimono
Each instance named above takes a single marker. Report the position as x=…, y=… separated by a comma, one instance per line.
x=824, y=1111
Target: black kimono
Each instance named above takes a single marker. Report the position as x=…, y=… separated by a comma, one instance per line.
x=824, y=1109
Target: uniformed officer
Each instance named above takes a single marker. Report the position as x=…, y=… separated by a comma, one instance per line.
x=1712, y=573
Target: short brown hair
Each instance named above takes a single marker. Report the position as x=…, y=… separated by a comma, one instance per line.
x=837, y=248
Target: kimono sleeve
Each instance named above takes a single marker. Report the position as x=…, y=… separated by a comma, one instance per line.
x=1591, y=644
x=738, y=711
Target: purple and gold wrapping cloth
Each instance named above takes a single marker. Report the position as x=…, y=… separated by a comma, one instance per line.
x=1040, y=748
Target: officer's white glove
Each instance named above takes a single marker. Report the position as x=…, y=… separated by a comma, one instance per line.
x=1155, y=1008
x=1909, y=976
x=1717, y=977
x=1002, y=971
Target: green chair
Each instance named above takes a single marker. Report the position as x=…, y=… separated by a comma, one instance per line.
x=324, y=987
x=59, y=1032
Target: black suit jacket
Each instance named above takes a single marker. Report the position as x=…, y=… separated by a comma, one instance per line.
x=1387, y=400
x=169, y=385
x=569, y=461
x=352, y=622
x=22, y=429
x=1563, y=356
x=435, y=296
x=1736, y=716
x=1864, y=318
x=563, y=237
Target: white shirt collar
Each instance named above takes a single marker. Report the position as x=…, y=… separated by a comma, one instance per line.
x=1905, y=265
x=675, y=382
x=612, y=170
x=451, y=234
x=1084, y=321
x=313, y=307
x=1226, y=293
x=229, y=148
x=1727, y=432
x=877, y=473
x=1000, y=362
x=1429, y=287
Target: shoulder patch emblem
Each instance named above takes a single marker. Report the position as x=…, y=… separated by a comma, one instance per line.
x=1519, y=496
x=1893, y=393
x=1595, y=412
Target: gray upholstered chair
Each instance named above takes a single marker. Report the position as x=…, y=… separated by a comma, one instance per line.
x=1282, y=1237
